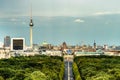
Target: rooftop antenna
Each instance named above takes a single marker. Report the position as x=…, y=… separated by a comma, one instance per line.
x=31, y=11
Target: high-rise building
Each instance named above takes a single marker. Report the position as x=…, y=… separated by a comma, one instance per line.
x=105, y=47
x=17, y=44
x=94, y=45
x=7, y=41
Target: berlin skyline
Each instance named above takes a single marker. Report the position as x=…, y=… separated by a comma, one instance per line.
x=56, y=21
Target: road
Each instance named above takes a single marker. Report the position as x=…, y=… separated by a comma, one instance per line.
x=68, y=70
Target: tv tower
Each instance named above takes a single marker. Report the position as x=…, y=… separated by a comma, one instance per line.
x=31, y=26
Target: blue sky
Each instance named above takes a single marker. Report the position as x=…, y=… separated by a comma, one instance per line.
x=73, y=21
x=58, y=7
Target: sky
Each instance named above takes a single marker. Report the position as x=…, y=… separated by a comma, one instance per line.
x=56, y=21
x=58, y=7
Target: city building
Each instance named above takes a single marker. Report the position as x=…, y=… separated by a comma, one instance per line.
x=17, y=44
x=7, y=41
x=105, y=47
x=94, y=45
x=1, y=45
x=35, y=47
x=52, y=53
x=56, y=48
x=64, y=46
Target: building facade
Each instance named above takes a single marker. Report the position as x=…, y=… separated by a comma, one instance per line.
x=17, y=44
x=7, y=41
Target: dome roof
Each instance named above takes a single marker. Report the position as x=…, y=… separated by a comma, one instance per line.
x=44, y=43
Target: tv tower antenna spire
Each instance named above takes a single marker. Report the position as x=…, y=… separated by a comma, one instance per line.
x=31, y=26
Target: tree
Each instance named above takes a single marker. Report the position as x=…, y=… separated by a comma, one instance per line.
x=1, y=78
x=37, y=75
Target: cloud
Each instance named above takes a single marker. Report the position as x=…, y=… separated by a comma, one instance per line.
x=13, y=19
x=79, y=21
x=106, y=13
x=17, y=21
